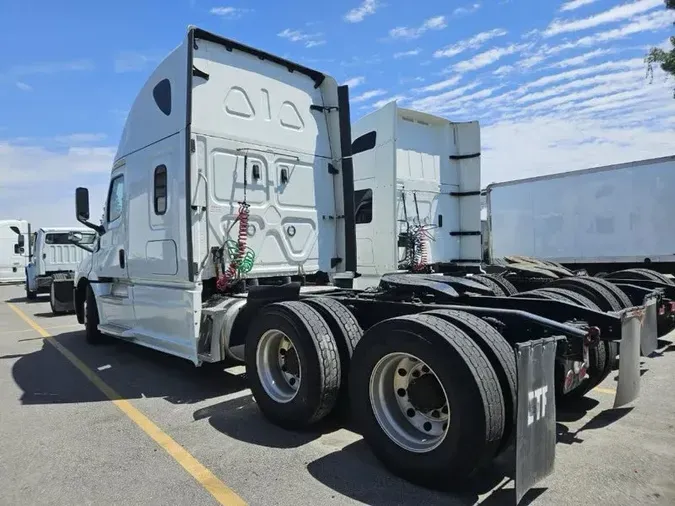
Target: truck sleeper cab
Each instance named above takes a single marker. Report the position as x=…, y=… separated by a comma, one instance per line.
x=233, y=174
x=15, y=241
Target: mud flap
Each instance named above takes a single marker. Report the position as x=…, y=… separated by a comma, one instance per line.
x=535, y=420
x=62, y=296
x=636, y=325
x=649, y=337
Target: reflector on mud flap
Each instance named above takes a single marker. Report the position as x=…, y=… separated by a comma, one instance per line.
x=535, y=420
x=649, y=338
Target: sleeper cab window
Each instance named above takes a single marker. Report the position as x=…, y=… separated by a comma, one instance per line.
x=162, y=95
x=160, y=190
x=116, y=198
x=363, y=204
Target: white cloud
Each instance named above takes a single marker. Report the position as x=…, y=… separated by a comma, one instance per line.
x=229, y=12
x=434, y=103
x=46, y=68
x=80, y=138
x=133, y=61
x=368, y=95
x=353, y=82
x=22, y=164
x=385, y=101
x=358, y=14
x=504, y=70
x=575, y=4
x=308, y=39
x=441, y=85
x=469, y=9
x=473, y=43
x=23, y=86
x=404, y=32
x=582, y=58
x=549, y=141
x=403, y=54
x=488, y=57
x=618, y=13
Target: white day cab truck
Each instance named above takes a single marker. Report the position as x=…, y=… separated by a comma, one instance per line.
x=56, y=255
x=229, y=233
x=15, y=243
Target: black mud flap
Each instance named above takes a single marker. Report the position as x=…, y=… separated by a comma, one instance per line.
x=638, y=333
x=535, y=420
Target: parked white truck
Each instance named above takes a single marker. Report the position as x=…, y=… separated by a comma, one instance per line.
x=57, y=253
x=233, y=174
x=601, y=219
x=417, y=193
x=15, y=243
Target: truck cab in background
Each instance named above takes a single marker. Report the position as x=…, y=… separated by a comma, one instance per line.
x=15, y=249
x=57, y=254
x=417, y=194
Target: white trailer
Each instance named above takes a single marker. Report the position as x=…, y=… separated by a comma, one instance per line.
x=15, y=242
x=601, y=219
x=417, y=193
x=57, y=253
x=234, y=173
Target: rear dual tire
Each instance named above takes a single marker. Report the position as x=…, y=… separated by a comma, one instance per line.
x=393, y=418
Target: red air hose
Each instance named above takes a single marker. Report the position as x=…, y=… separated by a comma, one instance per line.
x=230, y=273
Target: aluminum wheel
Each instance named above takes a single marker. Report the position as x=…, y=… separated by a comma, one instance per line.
x=409, y=402
x=278, y=366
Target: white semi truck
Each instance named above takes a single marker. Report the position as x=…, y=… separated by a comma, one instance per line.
x=56, y=255
x=417, y=193
x=15, y=244
x=231, y=188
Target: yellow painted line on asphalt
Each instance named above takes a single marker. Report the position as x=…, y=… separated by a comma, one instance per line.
x=4, y=332
x=609, y=391
x=221, y=492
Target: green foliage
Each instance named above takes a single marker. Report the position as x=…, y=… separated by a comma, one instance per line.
x=665, y=58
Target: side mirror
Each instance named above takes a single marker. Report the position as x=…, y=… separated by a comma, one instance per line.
x=82, y=209
x=75, y=237
x=18, y=249
x=21, y=241
x=82, y=203
x=364, y=143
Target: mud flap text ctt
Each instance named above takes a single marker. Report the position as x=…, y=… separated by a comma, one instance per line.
x=536, y=433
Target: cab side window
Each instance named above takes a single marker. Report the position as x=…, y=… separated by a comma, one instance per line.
x=116, y=199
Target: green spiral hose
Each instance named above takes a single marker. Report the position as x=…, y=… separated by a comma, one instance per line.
x=244, y=264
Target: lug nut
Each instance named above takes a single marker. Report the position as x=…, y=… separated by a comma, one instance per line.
x=401, y=392
x=402, y=372
x=427, y=426
x=410, y=412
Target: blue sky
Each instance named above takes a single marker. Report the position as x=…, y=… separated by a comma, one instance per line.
x=556, y=84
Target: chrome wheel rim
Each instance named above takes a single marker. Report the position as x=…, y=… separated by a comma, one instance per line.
x=278, y=365
x=409, y=402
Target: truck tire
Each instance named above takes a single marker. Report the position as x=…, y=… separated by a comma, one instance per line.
x=491, y=284
x=394, y=413
x=647, y=274
x=293, y=364
x=347, y=333
x=52, y=303
x=30, y=295
x=618, y=293
x=505, y=285
x=91, y=320
x=540, y=293
x=574, y=297
x=500, y=354
x=594, y=291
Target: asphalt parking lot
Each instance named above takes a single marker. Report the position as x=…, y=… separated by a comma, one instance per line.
x=176, y=434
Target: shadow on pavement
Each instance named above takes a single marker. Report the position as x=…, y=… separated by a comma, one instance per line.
x=46, y=377
x=355, y=472
x=241, y=419
x=599, y=421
